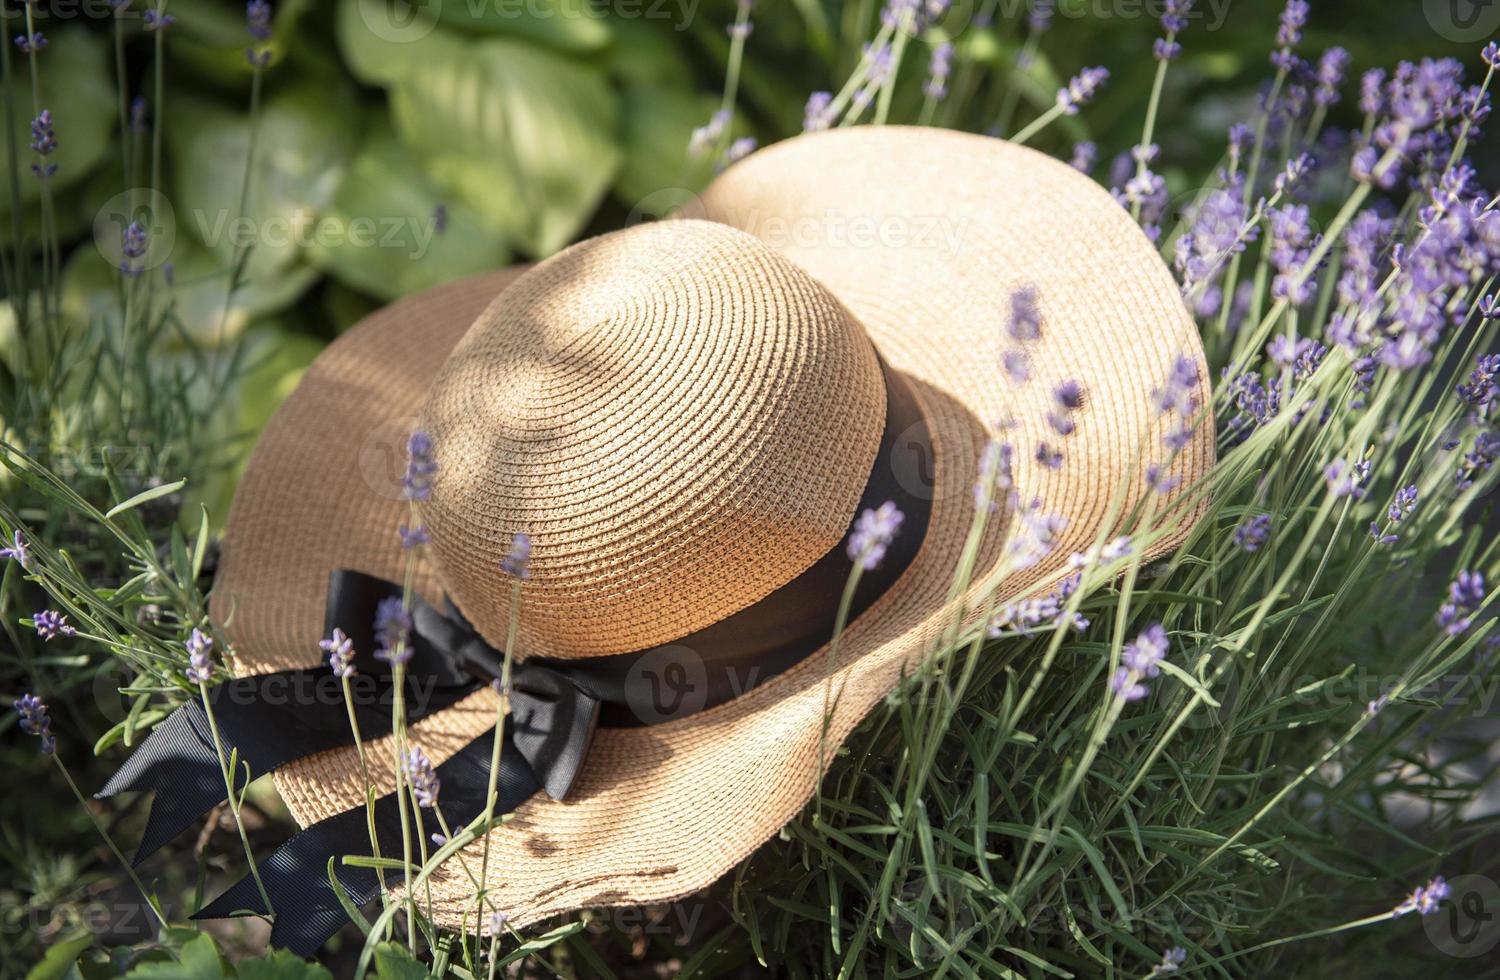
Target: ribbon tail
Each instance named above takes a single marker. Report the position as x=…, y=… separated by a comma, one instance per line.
x=177, y=761
x=553, y=724
x=307, y=909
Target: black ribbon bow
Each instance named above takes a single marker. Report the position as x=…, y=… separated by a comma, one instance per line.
x=272, y=719
x=555, y=705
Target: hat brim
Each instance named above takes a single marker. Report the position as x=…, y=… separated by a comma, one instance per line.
x=923, y=235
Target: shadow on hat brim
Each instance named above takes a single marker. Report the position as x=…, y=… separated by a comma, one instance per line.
x=661, y=811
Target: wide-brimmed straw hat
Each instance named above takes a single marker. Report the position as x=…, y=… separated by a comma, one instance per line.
x=687, y=417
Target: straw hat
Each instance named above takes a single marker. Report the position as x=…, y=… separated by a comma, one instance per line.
x=684, y=415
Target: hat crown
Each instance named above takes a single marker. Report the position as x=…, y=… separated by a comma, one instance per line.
x=681, y=419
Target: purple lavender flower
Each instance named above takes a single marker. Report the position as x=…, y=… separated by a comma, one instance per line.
x=996, y=476
x=1331, y=68
x=1049, y=456
x=258, y=19
x=1085, y=154
x=873, y=532
x=1146, y=652
x=938, y=69
x=1174, y=17
x=1425, y=899
x=1161, y=480
x=1017, y=366
x=816, y=116
x=35, y=721
x=43, y=139
x=1218, y=232
x=1491, y=55
x=707, y=135
x=1476, y=463
x=1404, y=503
x=517, y=562
x=1289, y=34
x=420, y=466
x=740, y=32
x=1040, y=18
x=393, y=625
x=1345, y=479
x=154, y=21
x=1179, y=393
x=1025, y=318
x=413, y=537
x=739, y=149
x=1252, y=533
x=1171, y=962
x=138, y=114
x=1292, y=242
x=1483, y=386
x=17, y=550
x=440, y=218
x=1036, y=536
x=1080, y=89
x=340, y=650
x=49, y=623
x=1372, y=91
x=31, y=43
x=1465, y=597
x=1127, y=688
x=1165, y=50
x=200, y=647
x=1028, y=615
x=422, y=777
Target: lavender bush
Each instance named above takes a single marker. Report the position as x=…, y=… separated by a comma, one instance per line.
x=1265, y=752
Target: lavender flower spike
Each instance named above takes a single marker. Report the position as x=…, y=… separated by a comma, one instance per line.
x=340, y=650
x=516, y=564
x=420, y=467
x=1080, y=89
x=35, y=721
x=1141, y=658
x=874, y=530
x=200, y=647
x=1465, y=597
x=17, y=550
x=393, y=625
x=1425, y=899
x=49, y=623
x=423, y=778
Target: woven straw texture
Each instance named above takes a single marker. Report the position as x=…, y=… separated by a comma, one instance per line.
x=640, y=405
x=922, y=235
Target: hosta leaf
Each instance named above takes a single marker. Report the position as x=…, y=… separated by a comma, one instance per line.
x=573, y=25
x=392, y=245
x=303, y=145
x=524, y=136
x=656, y=124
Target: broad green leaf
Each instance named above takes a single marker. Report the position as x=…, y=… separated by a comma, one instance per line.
x=573, y=25
x=395, y=962
x=656, y=125
x=281, y=965
x=390, y=243
x=60, y=957
x=305, y=138
x=199, y=960
x=76, y=83
x=385, y=40
x=524, y=136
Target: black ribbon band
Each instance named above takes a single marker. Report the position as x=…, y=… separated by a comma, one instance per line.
x=273, y=719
